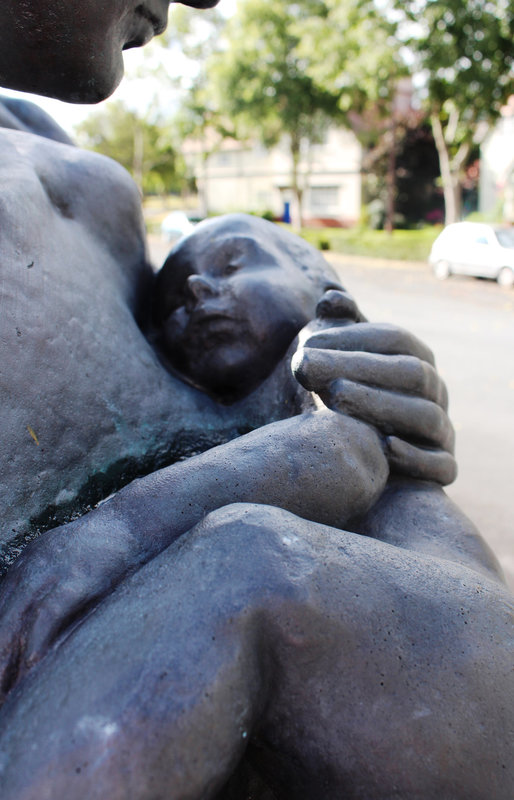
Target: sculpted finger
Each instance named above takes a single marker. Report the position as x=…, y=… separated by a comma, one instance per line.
x=338, y=304
x=316, y=369
x=407, y=417
x=416, y=462
x=371, y=338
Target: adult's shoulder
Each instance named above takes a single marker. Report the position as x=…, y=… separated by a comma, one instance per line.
x=20, y=114
x=79, y=174
x=49, y=187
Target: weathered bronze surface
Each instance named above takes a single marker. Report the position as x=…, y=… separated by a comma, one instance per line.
x=299, y=612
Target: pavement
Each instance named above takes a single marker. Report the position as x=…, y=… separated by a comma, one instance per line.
x=469, y=324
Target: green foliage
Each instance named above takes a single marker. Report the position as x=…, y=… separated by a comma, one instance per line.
x=144, y=148
x=261, y=80
x=465, y=49
x=462, y=47
x=196, y=35
x=289, y=69
x=350, y=48
x=400, y=245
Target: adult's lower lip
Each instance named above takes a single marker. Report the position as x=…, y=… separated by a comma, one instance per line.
x=157, y=19
x=138, y=41
x=147, y=25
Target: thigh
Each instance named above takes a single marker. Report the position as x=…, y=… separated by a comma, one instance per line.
x=396, y=678
x=341, y=665
x=162, y=684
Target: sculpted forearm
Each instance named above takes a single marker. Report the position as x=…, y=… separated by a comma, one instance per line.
x=321, y=466
x=419, y=516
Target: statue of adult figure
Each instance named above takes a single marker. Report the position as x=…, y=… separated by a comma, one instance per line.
x=369, y=663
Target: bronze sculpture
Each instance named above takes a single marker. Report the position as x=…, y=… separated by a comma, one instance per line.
x=216, y=614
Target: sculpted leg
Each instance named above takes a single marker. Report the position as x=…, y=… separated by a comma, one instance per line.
x=343, y=666
x=396, y=682
x=155, y=695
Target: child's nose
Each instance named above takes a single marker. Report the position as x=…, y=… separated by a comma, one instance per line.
x=201, y=286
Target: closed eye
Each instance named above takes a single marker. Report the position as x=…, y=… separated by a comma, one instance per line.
x=229, y=269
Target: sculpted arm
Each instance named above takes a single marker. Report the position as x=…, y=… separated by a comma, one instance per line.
x=321, y=466
x=385, y=375
x=419, y=516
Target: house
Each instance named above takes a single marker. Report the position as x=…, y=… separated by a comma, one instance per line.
x=496, y=190
x=245, y=176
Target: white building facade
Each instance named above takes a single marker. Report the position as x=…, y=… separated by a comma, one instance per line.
x=496, y=190
x=239, y=176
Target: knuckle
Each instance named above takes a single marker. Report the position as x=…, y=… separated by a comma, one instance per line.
x=417, y=374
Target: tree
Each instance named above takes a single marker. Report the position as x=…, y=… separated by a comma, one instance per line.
x=142, y=146
x=350, y=48
x=464, y=48
x=288, y=70
x=259, y=81
x=199, y=117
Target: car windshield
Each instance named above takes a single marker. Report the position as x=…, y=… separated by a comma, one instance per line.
x=505, y=237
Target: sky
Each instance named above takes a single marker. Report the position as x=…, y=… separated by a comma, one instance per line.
x=133, y=91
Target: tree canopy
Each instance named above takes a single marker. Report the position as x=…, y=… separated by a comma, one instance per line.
x=144, y=147
x=464, y=48
x=284, y=71
x=260, y=82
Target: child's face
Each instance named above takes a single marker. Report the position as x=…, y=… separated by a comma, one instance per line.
x=237, y=306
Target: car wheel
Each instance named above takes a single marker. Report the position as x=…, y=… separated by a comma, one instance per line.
x=442, y=270
x=506, y=277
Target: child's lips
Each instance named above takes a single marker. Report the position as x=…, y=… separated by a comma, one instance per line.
x=206, y=313
x=213, y=320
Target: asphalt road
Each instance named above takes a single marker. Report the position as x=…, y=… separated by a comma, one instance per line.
x=469, y=324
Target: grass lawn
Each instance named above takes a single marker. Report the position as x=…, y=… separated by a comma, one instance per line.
x=412, y=245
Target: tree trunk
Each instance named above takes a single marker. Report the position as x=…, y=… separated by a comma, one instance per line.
x=391, y=180
x=138, y=156
x=203, y=189
x=450, y=176
x=297, y=215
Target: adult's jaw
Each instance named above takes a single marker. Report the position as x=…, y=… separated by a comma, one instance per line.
x=73, y=50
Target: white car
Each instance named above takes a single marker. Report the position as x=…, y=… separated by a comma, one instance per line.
x=474, y=248
x=175, y=225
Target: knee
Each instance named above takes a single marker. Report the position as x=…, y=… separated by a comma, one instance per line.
x=256, y=540
x=237, y=516
x=252, y=522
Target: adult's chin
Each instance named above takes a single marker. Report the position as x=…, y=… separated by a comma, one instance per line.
x=90, y=86
x=75, y=84
x=96, y=82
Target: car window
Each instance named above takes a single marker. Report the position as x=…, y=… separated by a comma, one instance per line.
x=481, y=240
x=505, y=237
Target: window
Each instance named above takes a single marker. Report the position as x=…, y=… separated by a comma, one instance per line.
x=224, y=158
x=324, y=198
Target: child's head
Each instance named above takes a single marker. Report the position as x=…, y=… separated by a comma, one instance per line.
x=231, y=298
